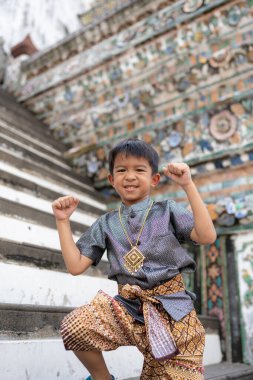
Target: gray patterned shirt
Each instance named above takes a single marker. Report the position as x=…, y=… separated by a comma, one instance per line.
x=168, y=224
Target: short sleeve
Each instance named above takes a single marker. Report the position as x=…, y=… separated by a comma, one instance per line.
x=92, y=242
x=182, y=221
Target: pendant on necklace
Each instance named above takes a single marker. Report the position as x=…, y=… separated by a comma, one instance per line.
x=133, y=260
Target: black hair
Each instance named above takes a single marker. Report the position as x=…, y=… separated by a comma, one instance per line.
x=137, y=148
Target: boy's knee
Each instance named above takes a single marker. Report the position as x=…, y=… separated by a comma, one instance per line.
x=71, y=325
x=74, y=333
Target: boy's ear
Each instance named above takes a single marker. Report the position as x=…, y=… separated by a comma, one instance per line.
x=110, y=179
x=155, y=179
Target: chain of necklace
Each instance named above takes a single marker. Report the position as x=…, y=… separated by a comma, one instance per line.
x=143, y=224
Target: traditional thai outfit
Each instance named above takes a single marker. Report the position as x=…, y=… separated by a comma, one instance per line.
x=153, y=311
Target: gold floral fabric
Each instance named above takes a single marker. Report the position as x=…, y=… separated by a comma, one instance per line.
x=104, y=325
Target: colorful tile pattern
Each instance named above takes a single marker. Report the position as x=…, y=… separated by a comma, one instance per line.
x=214, y=288
x=187, y=93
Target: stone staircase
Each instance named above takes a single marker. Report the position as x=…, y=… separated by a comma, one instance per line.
x=35, y=288
x=35, y=291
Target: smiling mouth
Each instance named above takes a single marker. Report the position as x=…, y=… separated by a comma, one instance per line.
x=130, y=187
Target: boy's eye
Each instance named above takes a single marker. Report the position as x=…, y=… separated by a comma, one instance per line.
x=120, y=170
x=140, y=170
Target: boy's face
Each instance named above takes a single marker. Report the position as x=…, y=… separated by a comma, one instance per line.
x=132, y=178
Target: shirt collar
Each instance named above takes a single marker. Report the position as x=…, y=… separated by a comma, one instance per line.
x=140, y=206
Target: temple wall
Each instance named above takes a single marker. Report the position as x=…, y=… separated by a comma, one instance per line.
x=187, y=90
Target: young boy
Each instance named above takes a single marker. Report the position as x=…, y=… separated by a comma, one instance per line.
x=152, y=311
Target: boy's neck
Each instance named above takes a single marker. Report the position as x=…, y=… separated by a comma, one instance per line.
x=140, y=205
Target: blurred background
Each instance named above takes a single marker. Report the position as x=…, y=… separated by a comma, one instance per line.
x=78, y=76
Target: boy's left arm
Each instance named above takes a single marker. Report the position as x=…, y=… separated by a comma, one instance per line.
x=203, y=231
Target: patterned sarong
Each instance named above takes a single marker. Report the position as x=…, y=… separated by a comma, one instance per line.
x=104, y=325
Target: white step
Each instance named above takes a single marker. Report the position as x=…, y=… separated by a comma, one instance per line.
x=30, y=139
x=16, y=156
x=49, y=184
x=36, y=152
x=24, y=232
x=39, y=204
x=48, y=360
x=33, y=286
x=21, y=231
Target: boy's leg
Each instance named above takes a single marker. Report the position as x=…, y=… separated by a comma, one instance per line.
x=95, y=364
x=180, y=368
x=101, y=325
x=189, y=336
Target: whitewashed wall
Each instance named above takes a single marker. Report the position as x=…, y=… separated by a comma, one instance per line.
x=47, y=21
x=244, y=254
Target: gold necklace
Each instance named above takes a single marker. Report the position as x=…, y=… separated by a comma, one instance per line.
x=134, y=258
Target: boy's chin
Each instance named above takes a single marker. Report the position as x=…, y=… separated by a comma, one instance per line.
x=129, y=200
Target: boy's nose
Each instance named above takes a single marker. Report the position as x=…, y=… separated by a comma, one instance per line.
x=130, y=176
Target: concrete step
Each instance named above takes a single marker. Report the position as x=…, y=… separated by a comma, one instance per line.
x=27, y=152
x=35, y=245
x=44, y=205
x=229, y=371
x=32, y=127
x=28, y=254
x=35, y=240
x=35, y=148
x=15, y=158
x=36, y=216
x=28, y=285
x=46, y=359
x=31, y=356
x=7, y=131
x=20, y=180
x=14, y=317
x=24, y=120
x=224, y=371
x=24, y=232
x=8, y=100
x=29, y=321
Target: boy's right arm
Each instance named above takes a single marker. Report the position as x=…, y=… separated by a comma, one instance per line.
x=63, y=208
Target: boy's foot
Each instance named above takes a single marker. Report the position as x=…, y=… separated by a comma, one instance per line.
x=90, y=378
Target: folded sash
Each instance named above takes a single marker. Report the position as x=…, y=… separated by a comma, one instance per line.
x=159, y=334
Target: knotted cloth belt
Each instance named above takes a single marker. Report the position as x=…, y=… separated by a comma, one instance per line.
x=158, y=330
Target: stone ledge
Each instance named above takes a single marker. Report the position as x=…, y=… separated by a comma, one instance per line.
x=43, y=258
x=36, y=155
x=224, y=371
x=43, y=146
x=18, y=182
x=35, y=216
x=37, y=168
x=35, y=320
x=11, y=109
x=229, y=371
